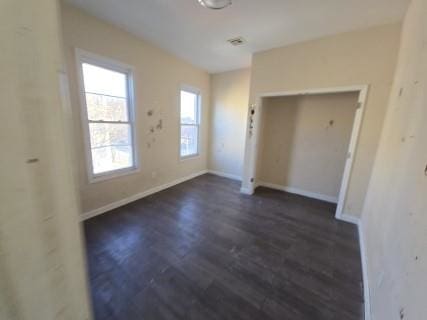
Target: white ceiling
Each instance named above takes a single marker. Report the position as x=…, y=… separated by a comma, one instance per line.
x=200, y=35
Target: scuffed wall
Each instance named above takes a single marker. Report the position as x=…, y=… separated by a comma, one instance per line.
x=395, y=213
x=42, y=273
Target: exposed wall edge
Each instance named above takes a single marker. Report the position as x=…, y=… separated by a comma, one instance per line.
x=364, y=257
x=364, y=261
x=117, y=204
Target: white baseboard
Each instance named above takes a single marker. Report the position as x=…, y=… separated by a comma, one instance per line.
x=349, y=218
x=300, y=192
x=246, y=191
x=117, y=204
x=225, y=175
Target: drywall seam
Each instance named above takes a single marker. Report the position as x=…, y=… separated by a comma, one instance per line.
x=117, y=204
x=300, y=192
x=225, y=175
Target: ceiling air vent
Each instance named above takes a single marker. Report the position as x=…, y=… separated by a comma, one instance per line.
x=237, y=41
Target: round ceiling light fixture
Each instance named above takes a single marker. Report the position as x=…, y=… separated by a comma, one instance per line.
x=215, y=4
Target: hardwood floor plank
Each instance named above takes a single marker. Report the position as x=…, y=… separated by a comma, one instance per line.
x=202, y=250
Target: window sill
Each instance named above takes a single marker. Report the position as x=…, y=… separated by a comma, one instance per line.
x=189, y=157
x=112, y=175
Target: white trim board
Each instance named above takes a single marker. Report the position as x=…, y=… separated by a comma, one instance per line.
x=225, y=175
x=300, y=192
x=327, y=90
x=120, y=203
x=364, y=258
x=246, y=191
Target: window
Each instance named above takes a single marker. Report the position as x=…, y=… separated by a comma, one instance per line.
x=190, y=123
x=108, y=117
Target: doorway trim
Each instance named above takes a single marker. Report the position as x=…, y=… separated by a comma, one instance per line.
x=252, y=143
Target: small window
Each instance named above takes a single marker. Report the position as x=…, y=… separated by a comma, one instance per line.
x=190, y=123
x=109, y=118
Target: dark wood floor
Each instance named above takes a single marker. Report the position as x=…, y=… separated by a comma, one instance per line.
x=202, y=250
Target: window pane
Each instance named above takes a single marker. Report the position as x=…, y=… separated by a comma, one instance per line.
x=111, y=158
x=188, y=107
x=100, y=107
x=104, y=81
x=189, y=136
x=109, y=134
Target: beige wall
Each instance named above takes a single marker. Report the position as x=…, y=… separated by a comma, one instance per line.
x=394, y=217
x=42, y=273
x=158, y=77
x=304, y=141
x=355, y=58
x=229, y=107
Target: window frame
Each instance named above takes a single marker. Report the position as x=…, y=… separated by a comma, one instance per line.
x=83, y=56
x=198, y=124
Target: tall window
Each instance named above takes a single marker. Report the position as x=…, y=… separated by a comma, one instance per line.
x=107, y=91
x=190, y=123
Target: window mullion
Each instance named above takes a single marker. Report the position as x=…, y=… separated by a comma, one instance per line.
x=105, y=95
x=109, y=122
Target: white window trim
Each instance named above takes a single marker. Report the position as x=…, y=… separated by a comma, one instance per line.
x=83, y=56
x=197, y=92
